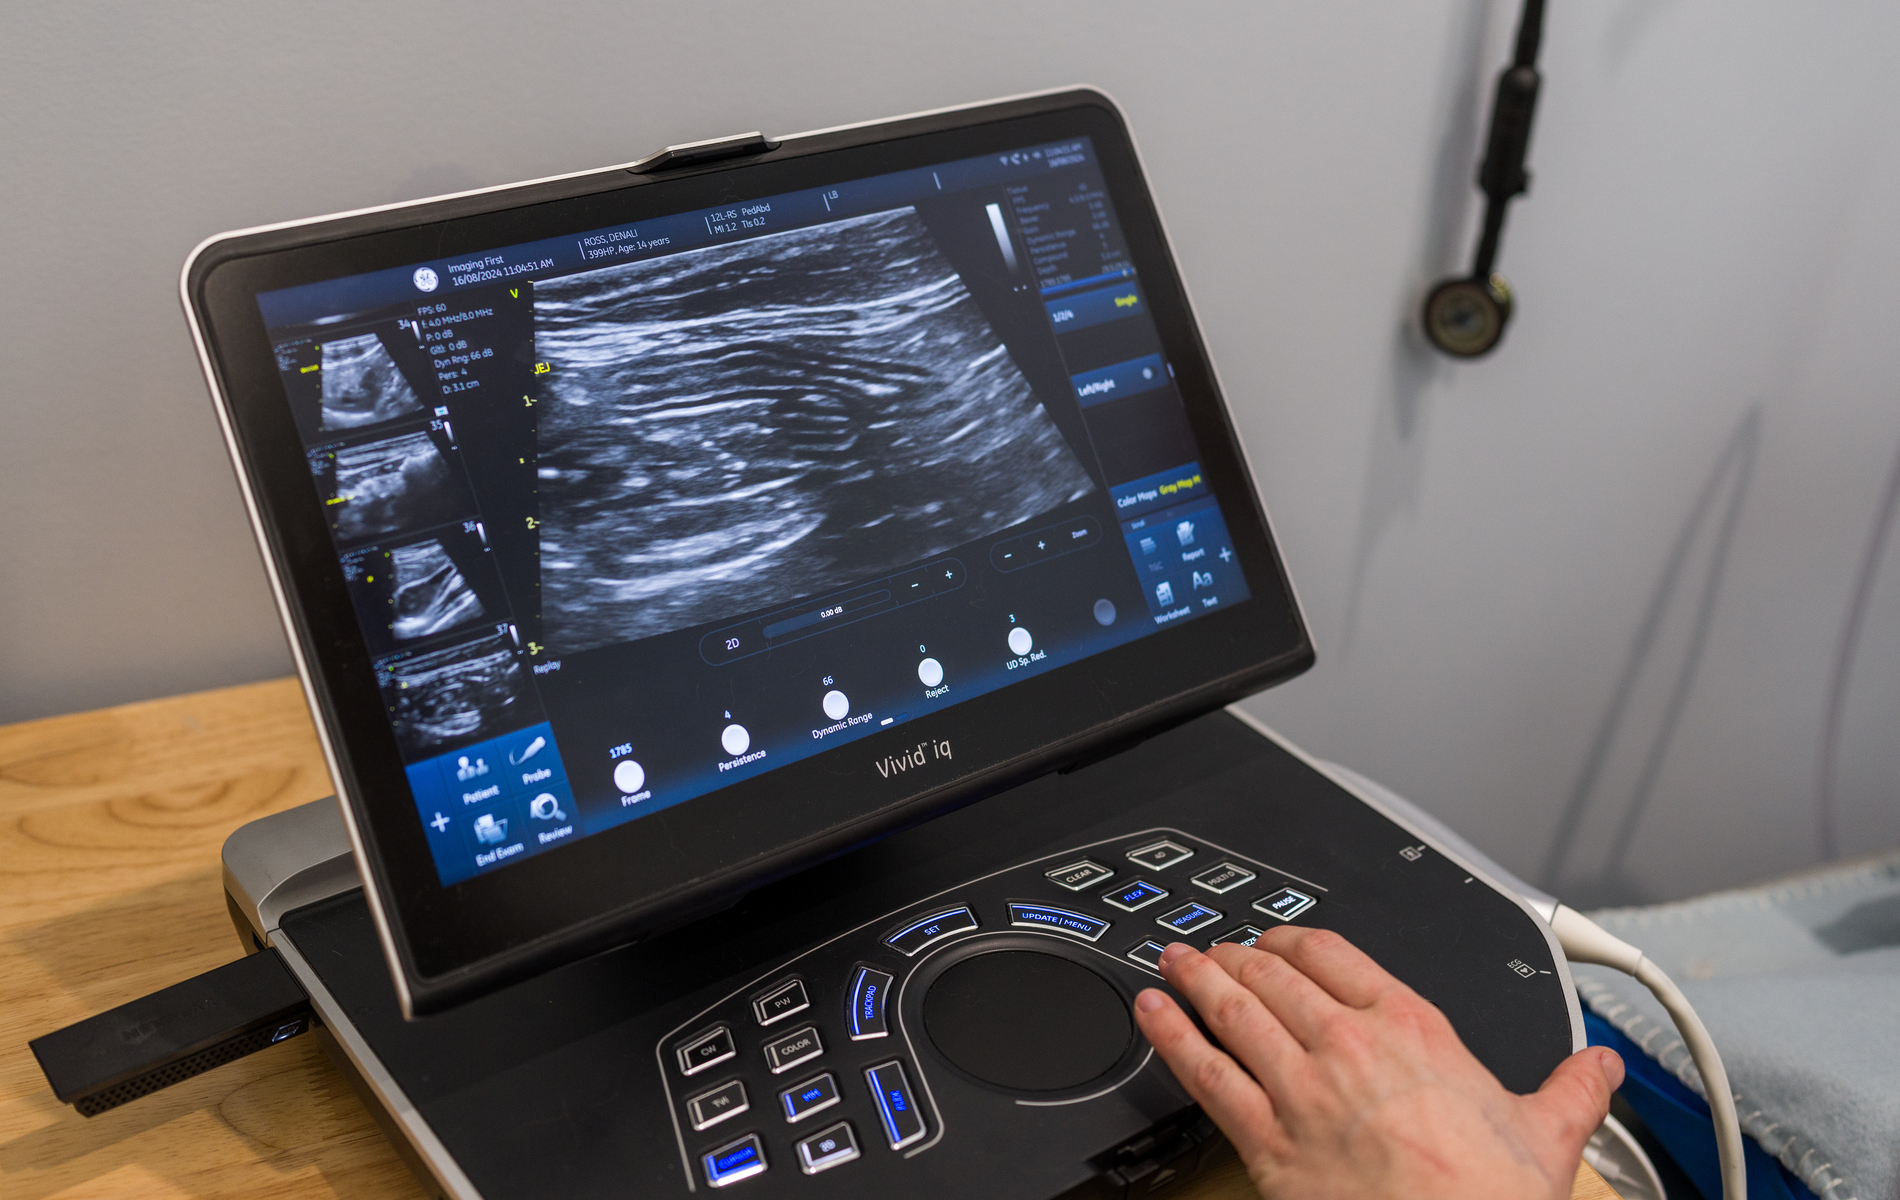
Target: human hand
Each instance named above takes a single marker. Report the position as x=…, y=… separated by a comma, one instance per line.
x=1340, y=1081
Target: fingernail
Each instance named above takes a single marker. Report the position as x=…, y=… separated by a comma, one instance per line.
x=1149, y=1000
x=1173, y=953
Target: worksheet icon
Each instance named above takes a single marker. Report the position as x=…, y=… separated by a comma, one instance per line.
x=1164, y=593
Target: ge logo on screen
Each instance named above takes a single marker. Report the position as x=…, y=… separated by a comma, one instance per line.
x=425, y=279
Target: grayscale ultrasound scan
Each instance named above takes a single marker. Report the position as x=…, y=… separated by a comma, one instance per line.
x=471, y=690
x=396, y=485
x=747, y=423
x=430, y=594
x=361, y=385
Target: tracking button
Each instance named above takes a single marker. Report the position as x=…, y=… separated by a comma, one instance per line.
x=1160, y=855
x=1042, y=916
x=827, y=1148
x=870, y=990
x=735, y=1161
x=1285, y=904
x=896, y=1104
x=1078, y=876
x=914, y=937
x=705, y=1049
x=801, y=1045
x=1188, y=917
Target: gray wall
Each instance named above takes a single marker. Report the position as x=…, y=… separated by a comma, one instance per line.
x=1604, y=602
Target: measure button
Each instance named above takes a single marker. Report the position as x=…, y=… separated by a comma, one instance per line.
x=870, y=989
x=1188, y=918
x=914, y=937
x=1042, y=916
x=896, y=1104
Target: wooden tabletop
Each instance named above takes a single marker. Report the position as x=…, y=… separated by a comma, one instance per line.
x=110, y=826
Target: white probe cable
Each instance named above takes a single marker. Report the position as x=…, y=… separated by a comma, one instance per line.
x=1585, y=941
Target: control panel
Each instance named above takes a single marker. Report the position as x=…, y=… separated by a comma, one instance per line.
x=1019, y=982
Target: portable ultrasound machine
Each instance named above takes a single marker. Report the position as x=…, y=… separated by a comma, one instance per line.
x=768, y=610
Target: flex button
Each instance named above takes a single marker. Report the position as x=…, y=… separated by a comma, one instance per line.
x=896, y=1105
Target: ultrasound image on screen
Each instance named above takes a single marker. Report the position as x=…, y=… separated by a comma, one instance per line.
x=362, y=385
x=430, y=595
x=395, y=485
x=737, y=426
x=466, y=692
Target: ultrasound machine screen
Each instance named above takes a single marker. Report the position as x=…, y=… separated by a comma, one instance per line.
x=633, y=514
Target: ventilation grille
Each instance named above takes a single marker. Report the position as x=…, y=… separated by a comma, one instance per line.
x=183, y=1069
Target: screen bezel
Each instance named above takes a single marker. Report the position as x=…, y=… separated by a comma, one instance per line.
x=448, y=944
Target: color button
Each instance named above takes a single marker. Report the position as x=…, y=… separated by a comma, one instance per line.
x=801, y=1045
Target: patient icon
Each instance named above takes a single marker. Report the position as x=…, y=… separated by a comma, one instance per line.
x=466, y=770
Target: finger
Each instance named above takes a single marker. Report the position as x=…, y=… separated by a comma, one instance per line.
x=1303, y=1007
x=1228, y=1094
x=1346, y=972
x=1576, y=1097
x=1236, y=1016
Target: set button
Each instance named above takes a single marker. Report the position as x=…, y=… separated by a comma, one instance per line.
x=1062, y=920
x=707, y=1048
x=1159, y=856
x=1078, y=876
x=1188, y=917
x=1131, y=896
x=1224, y=878
x=827, y=1148
x=781, y=1001
x=914, y=937
x=799, y=1046
x=1285, y=904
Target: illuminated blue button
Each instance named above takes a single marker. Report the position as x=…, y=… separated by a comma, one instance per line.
x=1062, y=920
x=1285, y=904
x=813, y=1095
x=914, y=937
x=735, y=1161
x=1131, y=896
x=1148, y=954
x=1188, y=918
x=870, y=990
x=896, y=1104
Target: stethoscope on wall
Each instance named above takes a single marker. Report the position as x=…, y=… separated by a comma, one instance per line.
x=1466, y=316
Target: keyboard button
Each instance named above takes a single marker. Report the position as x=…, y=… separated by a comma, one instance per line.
x=1079, y=876
x=709, y=1108
x=705, y=1049
x=1161, y=855
x=1188, y=917
x=801, y=1045
x=1285, y=904
x=1224, y=878
x=1042, y=916
x=870, y=990
x=1246, y=935
x=827, y=1148
x=1148, y=954
x=781, y=1002
x=896, y=1104
x=735, y=1161
x=914, y=937
x=1130, y=896
x=813, y=1095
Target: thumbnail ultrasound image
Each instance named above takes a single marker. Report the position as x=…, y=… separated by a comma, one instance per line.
x=421, y=590
x=393, y=485
x=361, y=385
x=467, y=692
x=430, y=594
x=742, y=425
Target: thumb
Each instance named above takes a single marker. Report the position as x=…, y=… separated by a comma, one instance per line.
x=1576, y=1097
